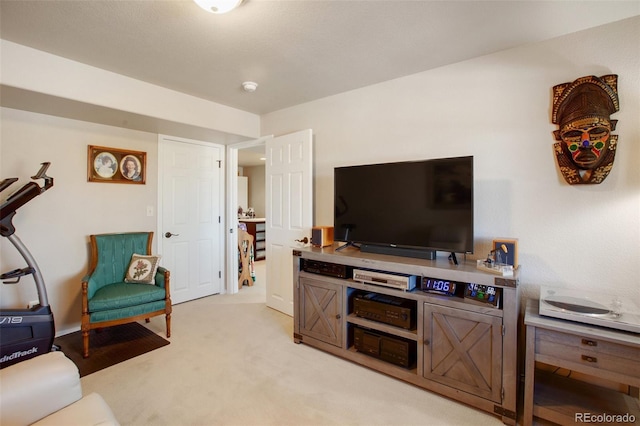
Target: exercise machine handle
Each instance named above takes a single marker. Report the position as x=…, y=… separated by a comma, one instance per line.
x=21, y=197
x=7, y=211
x=42, y=174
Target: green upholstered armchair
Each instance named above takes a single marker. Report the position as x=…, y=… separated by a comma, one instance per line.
x=108, y=300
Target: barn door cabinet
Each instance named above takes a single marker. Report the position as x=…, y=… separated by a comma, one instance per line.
x=463, y=350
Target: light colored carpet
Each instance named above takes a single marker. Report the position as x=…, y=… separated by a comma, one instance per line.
x=232, y=361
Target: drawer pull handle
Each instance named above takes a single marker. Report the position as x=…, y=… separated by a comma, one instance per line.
x=589, y=358
x=589, y=342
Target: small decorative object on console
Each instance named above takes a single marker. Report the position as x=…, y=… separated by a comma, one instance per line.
x=502, y=260
x=322, y=236
x=494, y=268
x=506, y=251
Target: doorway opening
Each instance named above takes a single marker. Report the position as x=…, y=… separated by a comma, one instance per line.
x=246, y=156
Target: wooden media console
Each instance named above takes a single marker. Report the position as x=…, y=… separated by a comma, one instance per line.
x=457, y=347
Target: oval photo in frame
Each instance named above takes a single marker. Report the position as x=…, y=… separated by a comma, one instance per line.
x=105, y=165
x=131, y=168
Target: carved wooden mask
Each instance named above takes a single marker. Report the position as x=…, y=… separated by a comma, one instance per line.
x=586, y=148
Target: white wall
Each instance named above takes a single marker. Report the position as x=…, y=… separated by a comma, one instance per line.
x=55, y=225
x=257, y=185
x=40, y=72
x=497, y=108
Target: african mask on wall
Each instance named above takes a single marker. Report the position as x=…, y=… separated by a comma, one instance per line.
x=586, y=148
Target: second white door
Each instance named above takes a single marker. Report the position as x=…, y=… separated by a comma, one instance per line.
x=191, y=222
x=289, y=203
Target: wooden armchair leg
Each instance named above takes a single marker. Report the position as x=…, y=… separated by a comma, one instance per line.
x=147, y=320
x=85, y=343
x=168, y=325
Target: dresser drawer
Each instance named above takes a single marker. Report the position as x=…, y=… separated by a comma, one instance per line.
x=594, y=355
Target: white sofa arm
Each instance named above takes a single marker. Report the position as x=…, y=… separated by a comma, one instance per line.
x=91, y=410
x=37, y=387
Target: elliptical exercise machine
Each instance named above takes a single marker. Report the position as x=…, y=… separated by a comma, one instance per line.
x=24, y=333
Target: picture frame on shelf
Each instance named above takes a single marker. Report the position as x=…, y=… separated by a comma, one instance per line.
x=511, y=256
x=115, y=165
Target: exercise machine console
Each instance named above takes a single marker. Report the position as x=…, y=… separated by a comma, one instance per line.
x=24, y=333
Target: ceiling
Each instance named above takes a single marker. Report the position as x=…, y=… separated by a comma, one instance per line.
x=254, y=156
x=296, y=50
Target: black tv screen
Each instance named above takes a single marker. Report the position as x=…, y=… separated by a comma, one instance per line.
x=416, y=205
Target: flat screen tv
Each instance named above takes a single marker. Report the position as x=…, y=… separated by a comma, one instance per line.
x=406, y=208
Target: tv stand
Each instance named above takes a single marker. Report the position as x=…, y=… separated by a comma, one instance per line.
x=462, y=349
x=399, y=251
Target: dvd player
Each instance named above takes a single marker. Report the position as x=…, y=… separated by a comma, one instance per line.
x=387, y=279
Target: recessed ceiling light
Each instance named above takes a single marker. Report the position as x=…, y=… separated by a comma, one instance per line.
x=218, y=6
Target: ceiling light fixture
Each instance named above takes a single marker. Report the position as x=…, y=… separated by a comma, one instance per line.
x=249, y=86
x=218, y=6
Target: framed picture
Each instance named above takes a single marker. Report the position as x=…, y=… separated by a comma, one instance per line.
x=116, y=165
x=510, y=257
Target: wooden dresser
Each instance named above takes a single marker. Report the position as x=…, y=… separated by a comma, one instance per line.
x=572, y=349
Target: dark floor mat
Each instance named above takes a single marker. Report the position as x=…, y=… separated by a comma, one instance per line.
x=109, y=346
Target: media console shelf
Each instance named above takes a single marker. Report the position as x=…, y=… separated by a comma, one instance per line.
x=462, y=350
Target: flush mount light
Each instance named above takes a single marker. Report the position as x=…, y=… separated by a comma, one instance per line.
x=218, y=6
x=249, y=86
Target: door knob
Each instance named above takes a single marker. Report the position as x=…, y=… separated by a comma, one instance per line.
x=169, y=235
x=305, y=240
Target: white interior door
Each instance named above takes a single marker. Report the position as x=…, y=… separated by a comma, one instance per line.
x=190, y=218
x=289, y=204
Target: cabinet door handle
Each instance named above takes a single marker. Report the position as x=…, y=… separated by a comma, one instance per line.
x=589, y=358
x=426, y=342
x=589, y=342
x=338, y=316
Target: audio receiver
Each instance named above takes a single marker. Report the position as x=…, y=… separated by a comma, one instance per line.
x=387, y=309
x=325, y=268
